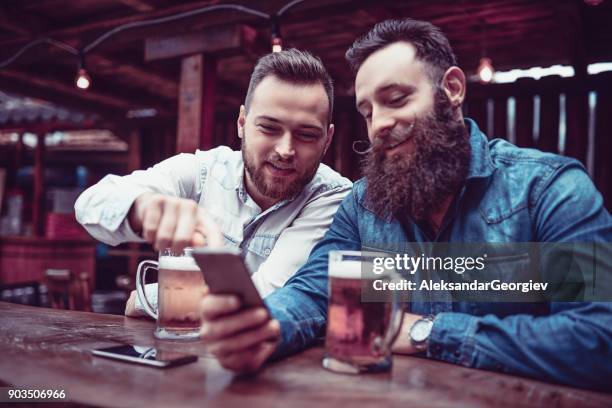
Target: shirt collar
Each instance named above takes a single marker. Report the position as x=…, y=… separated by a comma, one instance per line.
x=239, y=181
x=481, y=164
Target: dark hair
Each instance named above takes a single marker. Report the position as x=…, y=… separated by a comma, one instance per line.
x=293, y=66
x=431, y=44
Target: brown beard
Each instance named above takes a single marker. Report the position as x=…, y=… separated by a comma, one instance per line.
x=419, y=183
x=275, y=188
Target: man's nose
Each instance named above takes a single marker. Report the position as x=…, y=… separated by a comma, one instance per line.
x=284, y=147
x=382, y=123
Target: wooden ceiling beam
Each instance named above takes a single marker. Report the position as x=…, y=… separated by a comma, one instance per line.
x=21, y=23
x=221, y=39
x=89, y=28
x=28, y=89
x=98, y=63
x=67, y=91
x=133, y=74
x=141, y=6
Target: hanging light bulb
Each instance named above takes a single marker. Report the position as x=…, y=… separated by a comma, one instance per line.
x=82, y=80
x=277, y=41
x=277, y=44
x=485, y=70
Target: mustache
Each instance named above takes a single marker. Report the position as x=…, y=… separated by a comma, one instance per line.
x=282, y=163
x=384, y=141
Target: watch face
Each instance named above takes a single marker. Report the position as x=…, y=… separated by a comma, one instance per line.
x=420, y=331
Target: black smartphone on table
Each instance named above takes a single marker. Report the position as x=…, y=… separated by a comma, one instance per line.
x=145, y=355
x=226, y=274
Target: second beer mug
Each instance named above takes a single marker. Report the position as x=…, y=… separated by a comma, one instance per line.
x=180, y=290
x=359, y=333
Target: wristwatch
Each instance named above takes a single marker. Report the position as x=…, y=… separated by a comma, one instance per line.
x=420, y=331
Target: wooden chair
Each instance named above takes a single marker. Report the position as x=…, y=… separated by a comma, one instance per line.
x=67, y=291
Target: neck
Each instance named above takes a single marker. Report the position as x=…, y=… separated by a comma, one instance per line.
x=436, y=218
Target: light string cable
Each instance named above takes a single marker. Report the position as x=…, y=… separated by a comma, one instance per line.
x=68, y=48
x=139, y=24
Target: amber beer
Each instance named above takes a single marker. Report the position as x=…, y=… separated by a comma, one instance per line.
x=359, y=334
x=180, y=290
x=181, y=287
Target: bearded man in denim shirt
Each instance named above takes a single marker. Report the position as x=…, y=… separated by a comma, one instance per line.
x=433, y=176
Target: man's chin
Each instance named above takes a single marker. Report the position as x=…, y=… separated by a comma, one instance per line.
x=280, y=188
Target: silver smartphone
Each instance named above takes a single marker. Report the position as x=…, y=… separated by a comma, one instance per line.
x=225, y=273
x=145, y=355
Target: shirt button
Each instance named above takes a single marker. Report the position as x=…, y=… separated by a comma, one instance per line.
x=457, y=353
x=267, y=251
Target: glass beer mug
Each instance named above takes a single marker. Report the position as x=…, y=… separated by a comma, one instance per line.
x=361, y=325
x=179, y=292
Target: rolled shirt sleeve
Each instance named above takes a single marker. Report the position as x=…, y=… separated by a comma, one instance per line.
x=102, y=209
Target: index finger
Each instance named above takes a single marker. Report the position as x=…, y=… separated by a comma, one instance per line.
x=215, y=306
x=207, y=227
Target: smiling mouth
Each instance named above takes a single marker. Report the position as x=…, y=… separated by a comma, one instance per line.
x=399, y=143
x=408, y=137
x=281, y=169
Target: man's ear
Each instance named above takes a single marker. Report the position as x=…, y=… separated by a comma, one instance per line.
x=241, y=121
x=453, y=83
x=330, y=136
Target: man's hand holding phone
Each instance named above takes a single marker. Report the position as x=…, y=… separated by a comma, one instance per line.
x=241, y=339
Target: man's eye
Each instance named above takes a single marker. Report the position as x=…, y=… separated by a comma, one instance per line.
x=397, y=100
x=307, y=136
x=267, y=129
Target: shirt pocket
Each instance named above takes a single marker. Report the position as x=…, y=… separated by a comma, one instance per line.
x=262, y=245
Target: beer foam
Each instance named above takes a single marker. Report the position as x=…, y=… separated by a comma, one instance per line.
x=348, y=269
x=183, y=263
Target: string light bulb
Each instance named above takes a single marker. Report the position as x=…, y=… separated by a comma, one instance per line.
x=485, y=70
x=82, y=80
x=277, y=41
x=277, y=44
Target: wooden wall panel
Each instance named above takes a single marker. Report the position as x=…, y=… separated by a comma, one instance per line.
x=577, y=135
x=549, y=123
x=500, y=120
x=603, y=146
x=523, y=121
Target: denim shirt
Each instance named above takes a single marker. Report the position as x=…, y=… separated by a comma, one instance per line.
x=510, y=195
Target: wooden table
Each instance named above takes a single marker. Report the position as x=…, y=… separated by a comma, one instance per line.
x=46, y=348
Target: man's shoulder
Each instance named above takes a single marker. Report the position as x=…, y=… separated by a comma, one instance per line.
x=326, y=179
x=521, y=176
x=508, y=157
x=219, y=154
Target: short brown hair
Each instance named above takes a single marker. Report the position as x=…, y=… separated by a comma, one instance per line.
x=432, y=46
x=293, y=66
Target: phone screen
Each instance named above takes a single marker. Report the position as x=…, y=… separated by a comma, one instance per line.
x=145, y=355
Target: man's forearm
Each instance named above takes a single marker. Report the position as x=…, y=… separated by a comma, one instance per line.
x=567, y=347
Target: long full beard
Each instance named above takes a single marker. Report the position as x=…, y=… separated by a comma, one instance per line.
x=419, y=183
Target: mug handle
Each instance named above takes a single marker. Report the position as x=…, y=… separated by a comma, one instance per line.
x=141, y=273
x=383, y=345
x=396, y=320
